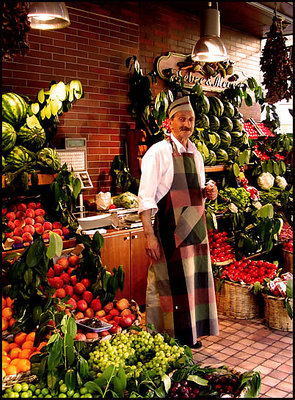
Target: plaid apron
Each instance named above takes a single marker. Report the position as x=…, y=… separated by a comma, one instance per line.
x=180, y=296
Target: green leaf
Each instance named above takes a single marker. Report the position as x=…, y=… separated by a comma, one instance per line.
x=55, y=245
x=79, y=380
x=167, y=382
x=236, y=170
x=290, y=288
x=71, y=327
x=108, y=373
x=28, y=276
x=276, y=168
x=52, y=379
x=197, y=379
x=97, y=242
x=83, y=367
x=70, y=354
x=35, y=253
x=265, y=211
x=248, y=100
x=93, y=387
x=160, y=392
x=33, y=122
x=41, y=96
x=55, y=355
x=53, y=338
x=70, y=379
x=289, y=308
x=269, y=166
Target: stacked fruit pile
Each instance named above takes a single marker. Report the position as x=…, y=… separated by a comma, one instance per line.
x=118, y=313
x=219, y=131
x=249, y=271
x=288, y=246
x=220, y=250
x=26, y=220
x=7, y=313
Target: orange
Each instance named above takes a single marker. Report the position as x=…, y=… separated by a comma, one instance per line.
x=42, y=344
x=5, y=364
x=3, y=373
x=14, y=353
x=28, y=344
x=13, y=345
x=23, y=365
x=15, y=361
x=4, y=353
x=9, y=302
x=7, y=313
x=11, y=370
x=3, y=303
x=12, y=321
x=20, y=338
x=4, y=324
x=6, y=359
x=5, y=345
x=31, y=336
x=25, y=353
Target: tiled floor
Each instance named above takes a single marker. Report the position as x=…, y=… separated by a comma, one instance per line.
x=249, y=345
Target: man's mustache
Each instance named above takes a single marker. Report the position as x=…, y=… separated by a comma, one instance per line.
x=185, y=129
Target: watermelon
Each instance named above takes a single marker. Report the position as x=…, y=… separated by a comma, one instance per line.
x=33, y=139
x=210, y=159
x=19, y=157
x=8, y=137
x=237, y=124
x=212, y=140
x=236, y=138
x=221, y=156
x=48, y=159
x=233, y=153
x=200, y=104
x=245, y=138
x=225, y=139
x=202, y=122
x=226, y=124
x=3, y=162
x=229, y=110
x=216, y=106
x=214, y=123
x=14, y=108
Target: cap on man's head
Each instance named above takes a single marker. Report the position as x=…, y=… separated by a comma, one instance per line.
x=182, y=104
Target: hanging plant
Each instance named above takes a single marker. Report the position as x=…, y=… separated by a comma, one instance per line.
x=15, y=28
x=276, y=64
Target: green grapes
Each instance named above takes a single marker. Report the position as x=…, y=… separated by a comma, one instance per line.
x=240, y=197
x=139, y=354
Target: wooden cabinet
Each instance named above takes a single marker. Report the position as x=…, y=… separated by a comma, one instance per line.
x=127, y=248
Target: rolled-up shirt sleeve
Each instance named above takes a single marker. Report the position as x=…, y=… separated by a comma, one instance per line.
x=150, y=178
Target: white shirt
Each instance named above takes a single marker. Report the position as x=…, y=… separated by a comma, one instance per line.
x=158, y=172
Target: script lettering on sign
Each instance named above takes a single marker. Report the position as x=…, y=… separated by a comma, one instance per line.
x=169, y=68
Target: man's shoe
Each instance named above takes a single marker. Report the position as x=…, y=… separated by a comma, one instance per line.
x=197, y=345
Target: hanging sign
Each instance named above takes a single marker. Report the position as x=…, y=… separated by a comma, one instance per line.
x=173, y=66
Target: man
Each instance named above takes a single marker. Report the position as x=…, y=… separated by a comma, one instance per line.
x=180, y=296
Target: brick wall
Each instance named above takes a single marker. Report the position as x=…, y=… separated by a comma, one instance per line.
x=94, y=49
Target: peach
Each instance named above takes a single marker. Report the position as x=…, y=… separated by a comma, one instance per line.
x=50, y=273
x=8, y=234
x=82, y=305
x=20, y=215
x=29, y=228
x=26, y=244
x=63, y=261
x=89, y=313
x=65, y=277
x=100, y=314
x=39, y=219
x=96, y=305
x=122, y=304
x=47, y=226
x=104, y=333
x=65, y=230
x=32, y=205
x=79, y=288
x=61, y=293
x=39, y=212
x=69, y=290
x=72, y=303
x=21, y=207
x=18, y=232
x=45, y=237
x=30, y=213
x=73, y=280
x=17, y=239
x=73, y=260
x=76, y=297
x=80, y=337
x=11, y=216
x=39, y=228
x=56, y=225
x=57, y=282
x=19, y=223
x=108, y=307
x=114, y=312
x=57, y=231
x=79, y=315
x=27, y=237
x=86, y=282
x=58, y=269
x=115, y=329
x=126, y=312
x=29, y=221
x=92, y=335
x=87, y=296
x=11, y=225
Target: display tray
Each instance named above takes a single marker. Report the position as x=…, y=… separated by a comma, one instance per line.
x=101, y=326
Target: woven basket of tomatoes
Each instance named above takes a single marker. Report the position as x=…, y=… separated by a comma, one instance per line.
x=288, y=256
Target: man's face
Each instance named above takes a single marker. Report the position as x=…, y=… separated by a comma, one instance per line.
x=182, y=125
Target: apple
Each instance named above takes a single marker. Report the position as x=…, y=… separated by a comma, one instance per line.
x=65, y=277
x=65, y=230
x=80, y=337
x=104, y=333
x=73, y=260
x=72, y=303
x=12, y=208
x=32, y=205
x=29, y=221
x=87, y=296
x=57, y=231
x=39, y=219
x=126, y=321
x=117, y=319
x=57, y=282
x=76, y=297
x=58, y=269
x=122, y=304
x=96, y=305
x=56, y=225
x=126, y=312
x=64, y=262
x=100, y=314
x=39, y=212
x=86, y=282
x=30, y=213
x=20, y=215
x=8, y=235
x=82, y=305
x=50, y=273
x=16, y=239
x=108, y=317
x=29, y=228
x=11, y=216
x=92, y=335
x=18, y=231
x=39, y=228
x=47, y=226
x=4, y=211
x=79, y=288
x=108, y=307
x=69, y=290
x=45, y=236
x=27, y=237
x=79, y=315
x=114, y=312
x=73, y=280
x=115, y=329
x=11, y=225
x=61, y=293
x=19, y=223
x=21, y=207
x=89, y=313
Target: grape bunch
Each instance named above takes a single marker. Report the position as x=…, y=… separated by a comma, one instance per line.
x=239, y=196
x=139, y=354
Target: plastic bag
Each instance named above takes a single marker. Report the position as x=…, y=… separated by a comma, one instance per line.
x=103, y=200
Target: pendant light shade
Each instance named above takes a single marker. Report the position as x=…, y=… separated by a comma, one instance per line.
x=210, y=47
x=47, y=15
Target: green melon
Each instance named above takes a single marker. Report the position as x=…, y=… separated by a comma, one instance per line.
x=3, y=162
x=221, y=156
x=236, y=138
x=14, y=108
x=237, y=124
x=212, y=140
x=216, y=106
x=8, y=137
x=202, y=122
x=48, y=159
x=226, y=124
x=229, y=110
x=214, y=123
x=200, y=104
x=225, y=139
x=19, y=157
x=210, y=159
x=31, y=138
x=233, y=153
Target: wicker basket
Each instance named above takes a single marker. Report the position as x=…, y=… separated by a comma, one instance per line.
x=288, y=261
x=235, y=300
x=9, y=380
x=275, y=314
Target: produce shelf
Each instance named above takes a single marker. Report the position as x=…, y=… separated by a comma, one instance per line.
x=43, y=179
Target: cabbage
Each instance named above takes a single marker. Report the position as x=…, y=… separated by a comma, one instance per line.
x=126, y=200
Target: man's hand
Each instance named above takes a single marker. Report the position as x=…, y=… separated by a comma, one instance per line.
x=152, y=247
x=211, y=191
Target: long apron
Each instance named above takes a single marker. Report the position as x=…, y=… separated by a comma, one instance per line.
x=180, y=297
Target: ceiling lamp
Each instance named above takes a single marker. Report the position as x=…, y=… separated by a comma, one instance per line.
x=210, y=47
x=47, y=15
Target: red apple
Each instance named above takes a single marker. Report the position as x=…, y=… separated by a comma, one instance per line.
x=65, y=277
x=29, y=221
x=117, y=319
x=104, y=333
x=50, y=273
x=56, y=225
x=80, y=337
x=57, y=231
x=32, y=205
x=108, y=307
x=39, y=219
x=126, y=312
x=9, y=235
x=114, y=312
x=18, y=231
x=122, y=304
x=89, y=313
x=39, y=212
x=76, y=297
x=73, y=260
x=87, y=296
x=86, y=282
x=63, y=261
x=30, y=213
x=61, y=293
x=57, y=282
x=4, y=211
x=21, y=207
x=45, y=236
x=11, y=216
x=126, y=321
x=19, y=223
x=115, y=329
x=29, y=228
x=73, y=280
x=82, y=305
x=17, y=239
x=39, y=228
x=65, y=230
x=27, y=237
x=70, y=270
x=72, y=303
x=79, y=288
x=96, y=305
x=69, y=290
x=11, y=225
x=100, y=314
x=58, y=269
x=20, y=215
x=47, y=226
x=12, y=208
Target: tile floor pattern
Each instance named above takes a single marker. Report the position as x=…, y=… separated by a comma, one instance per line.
x=249, y=345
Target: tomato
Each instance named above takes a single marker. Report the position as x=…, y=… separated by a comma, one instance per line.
x=112, y=207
